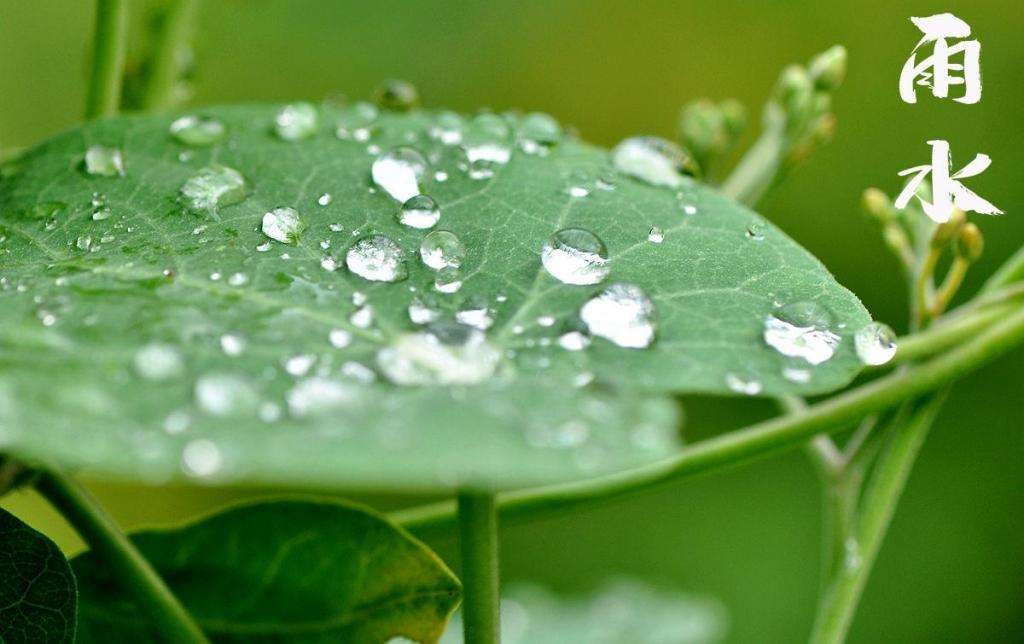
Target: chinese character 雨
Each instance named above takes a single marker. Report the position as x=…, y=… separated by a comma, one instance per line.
x=938, y=71
x=947, y=191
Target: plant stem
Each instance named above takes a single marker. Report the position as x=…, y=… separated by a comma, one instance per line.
x=104, y=95
x=950, y=286
x=1012, y=270
x=478, y=538
x=158, y=92
x=839, y=603
x=754, y=441
x=128, y=565
x=759, y=167
x=950, y=331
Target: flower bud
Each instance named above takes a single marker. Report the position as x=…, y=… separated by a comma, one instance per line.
x=877, y=204
x=970, y=242
x=828, y=68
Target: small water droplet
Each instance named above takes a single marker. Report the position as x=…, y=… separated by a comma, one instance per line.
x=329, y=264
x=177, y=422
x=653, y=160
x=741, y=385
x=339, y=338
x=223, y=395
x=201, y=457
x=448, y=280
x=621, y=313
x=296, y=121
x=574, y=341
x=441, y=249
x=656, y=235
x=448, y=128
x=755, y=231
x=197, y=131
x=325, y=199
x=356, y=122
x=444, y=354
x=875, y=343
x=801, y=330
x=689, y=209
x=796, y=375
x=399, y=173
x=423, y=310
x=377, y=258
x=299, y=365
x=238, y=279
x=232, y=344
x=575, y=256
x=158, y=361
x=578, y=192
x=316, y=396
x=476, y=313
x=398, y=95
x=104, y=162
x=283, y=225
x=362, y=317
x=213, y=187
x=538, y=132
x=420, y=212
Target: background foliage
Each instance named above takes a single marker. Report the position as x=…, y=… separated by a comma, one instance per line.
x=952, y=566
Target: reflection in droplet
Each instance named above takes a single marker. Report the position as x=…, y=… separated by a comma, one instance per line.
x=441, y=249
x=621, y=313
x=875, y=343
x=653, y=160
x=420, y=212
x=399, y=172
x=802, y=330
x=377, y=258
x=575, y=256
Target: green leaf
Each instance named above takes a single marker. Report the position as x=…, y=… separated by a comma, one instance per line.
x=37, y=589
x=109, y=279
x=621, y=611
x=282, y=571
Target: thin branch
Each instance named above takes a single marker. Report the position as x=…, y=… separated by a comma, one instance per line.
x=478, y=538
x=104, y=95
x=164, y=69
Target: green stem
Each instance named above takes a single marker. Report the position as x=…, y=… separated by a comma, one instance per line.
x=752, y=442
x=128, y=566
x=1011, y=271
x=840, y=600
x=759, y=167
x=950, y=331
x=163, y=71
x=478, y=538
x=104, y=95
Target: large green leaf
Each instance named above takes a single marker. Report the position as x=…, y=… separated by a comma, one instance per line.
x=282, y=571
x=96, y=268
x=37, y=589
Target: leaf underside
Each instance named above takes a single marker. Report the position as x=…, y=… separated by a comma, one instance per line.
x=281, y=571
x=73, y=314
x=37, y=589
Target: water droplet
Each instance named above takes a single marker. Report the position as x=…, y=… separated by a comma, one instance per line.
x=269, y=412
x=656, y=235
x=423, y=310
x=325, y=199
x=420, y=211
x=448, y=280
x=755, y=231
x=745, y=386
x=197, y=131
x=223, y=395
x=801, y=330
x=575, y=256
x=232, y=344
x=356, y=121
x=158, y=361
x=486, y=146
x=621, y=313
x=689, y=209
x=378, y=259
x=299, y=365
x=283, y=225
x=537, y=132
x=104, y=162
x=177, y=422
x=296, y=121
x=398, y=95
x=578, y=192
x=201, y=457
x=546, y=320
x=84, y=242
x=399, y=173
x=799, y=376
x=362, y=317
x=450, y=354
x=329, y=264
x=339, y=338
x=653, y=160
x=875, y=343
x=441, y=249
x=213, y=187
x=316, y=396
x=358, y=371
x=574, y=341
x=448, y=128
x=474, y=312
x=238, y=279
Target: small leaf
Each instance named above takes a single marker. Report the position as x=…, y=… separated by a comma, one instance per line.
x=163, y=314
x=282, y=571
x=37, y=589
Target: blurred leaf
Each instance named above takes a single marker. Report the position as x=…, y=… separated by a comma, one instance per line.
x=110, y=279
x=623, y=611
x=37, y=589
x=295, y=571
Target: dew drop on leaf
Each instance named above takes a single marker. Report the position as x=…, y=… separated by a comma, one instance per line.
x=158, y=361
x=317, y=395
x=875, y=343
x=339, y=338
x=296, y=121
x=476, y=313
x=283, y=225
x=448, y=128
x=802, y=330
x=653, y=160
x=448, y=354
x=399, y=172
x=575, y=256
x=397, y=95
x=423, y=310
x=448, y=280
x=197, y=131
x=621, y=313
x=656, y=235
x=201, y=457
x=104, y=162
x=214, y=186
x=224, y=395
x=420, y=212
x=441, y=249
x=538, y=132
x=377, y=258
x=356, y=122
x=742, y=385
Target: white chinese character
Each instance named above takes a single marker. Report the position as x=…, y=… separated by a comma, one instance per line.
x=947, y=191
x=935, y=70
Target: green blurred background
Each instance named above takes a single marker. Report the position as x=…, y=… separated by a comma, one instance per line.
x=952, y=567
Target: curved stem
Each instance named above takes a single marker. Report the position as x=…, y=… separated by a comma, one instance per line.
x=752, y=442
x=478, y=539
x=1011, y=271
x=158, y=92
x=950, y=331
x=104, y=95
x=759, y=167
x=130, y=568
x=839, y=603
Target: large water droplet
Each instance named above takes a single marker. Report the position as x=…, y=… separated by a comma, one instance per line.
x=875, y=343
x=224, y=395
x=575, y=256
x=377, y=258
x=399, y=173
x=197, y=131
x=158, y=361
x=441, y=249
x=214, y=186
x=448, y=354
x=296, y=121
x=356, y=122
x=621, y=313
x=397, y=95
x=801, y=330
x=283, y=225
x=537, y=132
x=448, y=128
x=104, y=162
x=420, y=211
x=653, y=160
